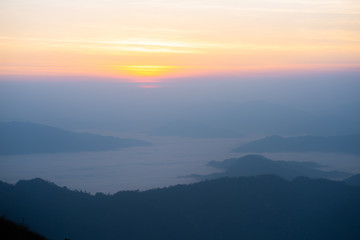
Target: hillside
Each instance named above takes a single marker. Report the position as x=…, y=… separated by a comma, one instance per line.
x=10, y=230
x=263, y=207
x=27, y=138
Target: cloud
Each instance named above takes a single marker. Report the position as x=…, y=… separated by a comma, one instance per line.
x=351, y=7
x=132, y=45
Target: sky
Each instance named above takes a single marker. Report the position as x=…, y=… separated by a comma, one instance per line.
x=150, y=40
x=137, y=68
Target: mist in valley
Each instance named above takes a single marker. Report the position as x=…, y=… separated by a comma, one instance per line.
x=187, y=123
x=198, y=120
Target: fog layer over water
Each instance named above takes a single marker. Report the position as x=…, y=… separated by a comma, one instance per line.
x=160, y=165
x=189, y=122
x=133, y=168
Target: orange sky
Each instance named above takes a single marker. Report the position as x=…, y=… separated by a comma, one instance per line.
x=151, y=39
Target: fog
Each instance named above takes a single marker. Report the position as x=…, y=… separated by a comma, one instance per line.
x=104, y=104
x=166, y=163
x=142, y=168
x=189, y=122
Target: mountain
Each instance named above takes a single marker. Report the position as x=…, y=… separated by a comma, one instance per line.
x=353, y=180
x=340, y=144
x=253, y=165
x=11, y=230
x=263, y=207
x=27, y=138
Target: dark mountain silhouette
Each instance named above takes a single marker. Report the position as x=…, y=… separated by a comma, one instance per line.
x=27, y=138
x=253, y=165
x=10, y=230
x=340, y=144
x=263, y=207
x=353, y=180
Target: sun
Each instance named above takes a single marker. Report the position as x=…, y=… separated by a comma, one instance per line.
x=146, y=71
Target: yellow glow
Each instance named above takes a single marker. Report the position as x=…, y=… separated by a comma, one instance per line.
x=148, y=40
x=145, y=71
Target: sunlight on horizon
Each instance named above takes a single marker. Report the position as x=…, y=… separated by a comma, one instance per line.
x=145, y=72
x=156, y=39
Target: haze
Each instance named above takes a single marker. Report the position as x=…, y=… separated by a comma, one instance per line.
x=189, y=122
x=154, y=119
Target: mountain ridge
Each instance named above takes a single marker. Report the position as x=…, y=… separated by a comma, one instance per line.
x=262, y=207
x=29, y=138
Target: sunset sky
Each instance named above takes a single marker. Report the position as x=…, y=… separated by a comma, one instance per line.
x=146, y=40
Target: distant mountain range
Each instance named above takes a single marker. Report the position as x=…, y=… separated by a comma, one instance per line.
x=340, y=144
x=247, y=208
x=228, y=120
x=253, y=165
x=28, y=138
